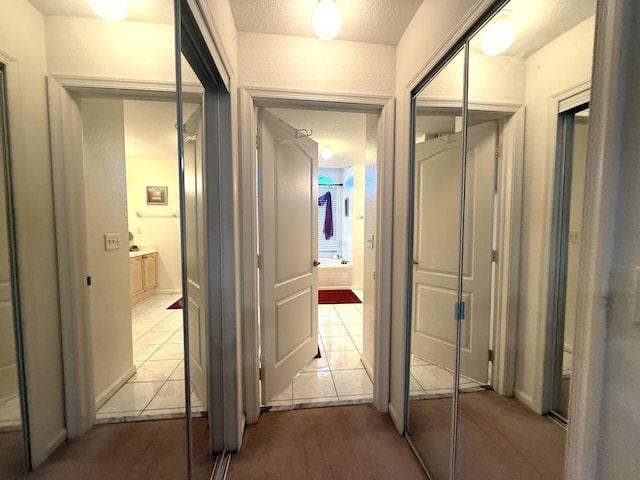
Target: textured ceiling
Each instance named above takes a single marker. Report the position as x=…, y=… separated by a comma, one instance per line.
x=370, y=21
x=541, y=21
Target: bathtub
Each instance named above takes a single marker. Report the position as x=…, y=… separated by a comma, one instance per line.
x=333, y=274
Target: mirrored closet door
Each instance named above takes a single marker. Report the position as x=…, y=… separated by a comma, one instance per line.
x=484, y=369
x=13, y=431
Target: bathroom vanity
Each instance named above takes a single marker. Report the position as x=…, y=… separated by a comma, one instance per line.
x=143, y=273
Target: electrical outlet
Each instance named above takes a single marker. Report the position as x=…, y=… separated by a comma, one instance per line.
x=111, y=241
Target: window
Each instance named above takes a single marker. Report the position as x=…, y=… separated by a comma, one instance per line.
x=327, y=185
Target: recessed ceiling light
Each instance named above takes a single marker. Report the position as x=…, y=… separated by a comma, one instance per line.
x=326, y=20
x=326, y=153
x=111, y=10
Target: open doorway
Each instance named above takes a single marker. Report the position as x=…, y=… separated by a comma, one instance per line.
x=339, y=368
x=132, y=189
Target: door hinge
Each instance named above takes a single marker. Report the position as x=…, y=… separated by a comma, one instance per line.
x=459, y=311
x=258, y=142
x=88, y=281
x=259, y=261
x=491, y=355
x=261, y=374
x=494, y=256
x=498, y=151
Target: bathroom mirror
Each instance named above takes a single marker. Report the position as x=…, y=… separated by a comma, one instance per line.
x=13, y=434
x=510, y=402
x=436, y=172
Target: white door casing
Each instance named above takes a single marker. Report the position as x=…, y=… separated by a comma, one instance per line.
x=288, y=171
x=435, y=277
x=194, y=299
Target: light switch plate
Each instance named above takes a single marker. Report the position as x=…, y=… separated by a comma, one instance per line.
x=369, y=240
x=111, y=241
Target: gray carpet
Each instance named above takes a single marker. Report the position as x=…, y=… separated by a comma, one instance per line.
x=130, y=451
x=498, y=438
x=350, y=442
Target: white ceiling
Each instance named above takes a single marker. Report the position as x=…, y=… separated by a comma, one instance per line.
x=344, y=133
x=150, y=11
x=539, y=22
x=370, y=21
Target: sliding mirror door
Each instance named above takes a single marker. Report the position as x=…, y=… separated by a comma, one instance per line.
x=502, y=429
x=436, y=172
x=505, y=250
x=13, y=435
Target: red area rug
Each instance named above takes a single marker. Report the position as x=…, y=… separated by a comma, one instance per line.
x=175, y=305
x=337, y=296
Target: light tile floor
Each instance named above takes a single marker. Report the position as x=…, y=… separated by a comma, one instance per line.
x=428, y=379
x=157, y=388
x=338, y=376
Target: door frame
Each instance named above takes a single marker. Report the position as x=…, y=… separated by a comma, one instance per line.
x=249, y=99
x=71, y=241
x=559, y=103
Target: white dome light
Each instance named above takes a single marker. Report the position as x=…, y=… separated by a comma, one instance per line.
x=498, y=37
x=326, y=20
x=111, y=10
x=326, y=153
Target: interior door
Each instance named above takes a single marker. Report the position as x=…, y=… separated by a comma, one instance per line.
x=436, y=249
x=288, y=190
x=195, y=268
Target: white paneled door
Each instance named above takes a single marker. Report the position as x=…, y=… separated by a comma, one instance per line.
x=194, y=299
x=288, y=245
x=436, y=249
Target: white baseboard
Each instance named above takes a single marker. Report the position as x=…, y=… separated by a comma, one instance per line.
x=168, y=292
x=367, y=366
x=38, y=457
x=525, y=399
x=398, y=422
x=114, y=387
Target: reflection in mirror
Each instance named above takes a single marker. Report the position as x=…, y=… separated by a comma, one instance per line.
x=550, y=54
x=573, y=128
x=195, y=336
x=12, y=427
x=437, y=170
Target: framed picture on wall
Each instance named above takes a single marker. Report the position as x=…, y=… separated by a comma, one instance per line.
x=157, y=196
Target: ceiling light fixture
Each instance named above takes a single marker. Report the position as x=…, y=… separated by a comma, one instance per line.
x=326, y=153
x=499, y=35
x=326, y=20
x=111, y=10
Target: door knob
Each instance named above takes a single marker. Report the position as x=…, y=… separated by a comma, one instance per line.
x=316, y=263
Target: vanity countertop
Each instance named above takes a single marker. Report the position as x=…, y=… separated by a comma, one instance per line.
x=143, y=250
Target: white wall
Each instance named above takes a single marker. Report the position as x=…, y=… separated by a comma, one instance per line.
x=280, y=61
x=369, y=254
x=22, y=48
x=91, y=47
x=353, y=225
x=561, y=64
x=106, y=212
x=161, y=231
